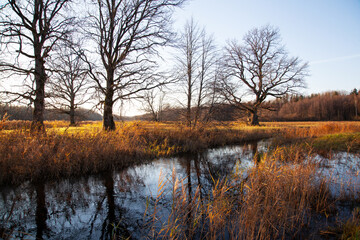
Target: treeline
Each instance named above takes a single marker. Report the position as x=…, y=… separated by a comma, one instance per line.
x=25, y=113
x=328, y=106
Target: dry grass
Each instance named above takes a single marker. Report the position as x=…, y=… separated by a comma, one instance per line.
x=275, y=201
x=348, y=230
x=85, y=149
x=313, y=129
x=25, y=125
x=322, y=137
x=70, y=151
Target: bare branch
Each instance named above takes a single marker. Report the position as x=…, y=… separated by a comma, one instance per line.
x=263, y=67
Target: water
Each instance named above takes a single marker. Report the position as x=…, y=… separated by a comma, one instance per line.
x=87, y=208
x=343, y=173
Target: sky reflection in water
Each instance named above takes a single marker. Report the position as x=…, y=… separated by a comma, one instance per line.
x=86, y=208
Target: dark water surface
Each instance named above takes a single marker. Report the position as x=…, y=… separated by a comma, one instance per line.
x=97, y=207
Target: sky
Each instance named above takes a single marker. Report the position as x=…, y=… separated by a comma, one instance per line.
x=324, y=33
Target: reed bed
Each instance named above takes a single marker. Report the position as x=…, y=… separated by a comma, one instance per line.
x=346, y=230
x=314, y=129
x=322, y=137
x=85, y=149
x=25, y=125
x=275, y=201
x=64, y=152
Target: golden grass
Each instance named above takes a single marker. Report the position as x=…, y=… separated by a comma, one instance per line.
x=275, y=201
x=314, y=129
x=85, y=149
x=346, y=142
x=322, y=137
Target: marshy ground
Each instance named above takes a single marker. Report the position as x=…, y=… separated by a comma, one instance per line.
x=290, y=188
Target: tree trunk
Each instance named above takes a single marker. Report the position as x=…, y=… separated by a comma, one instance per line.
x=72, y=116
x=188, y=107
x=72, y=108
x=188, y=116
x=189, y=94
x=254, y=118
x=109, y=124
x=355, y=103
x=37, y=124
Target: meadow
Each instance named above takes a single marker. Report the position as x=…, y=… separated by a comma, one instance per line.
x=279, y=198
x=85, y=149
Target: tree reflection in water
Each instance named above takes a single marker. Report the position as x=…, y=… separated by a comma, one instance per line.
x=41, y=211
x=112, y=204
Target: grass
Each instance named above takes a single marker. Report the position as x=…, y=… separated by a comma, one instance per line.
x=275, y=201
x=321, y=137
x=347, y=142
x=351, y=229
x=348, y=230
x=85, y=149
x=278, y=199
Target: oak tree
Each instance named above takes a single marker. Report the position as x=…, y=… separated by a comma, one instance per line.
x=69, y=83
x=127, y=33
x=259, y=68
x=29, y=30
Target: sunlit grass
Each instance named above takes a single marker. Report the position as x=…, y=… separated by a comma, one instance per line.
x=274, y=201
x=85, y=149
x=347, y=142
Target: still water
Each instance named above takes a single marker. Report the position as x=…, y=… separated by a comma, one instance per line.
x=96, y=207
x=88, y=208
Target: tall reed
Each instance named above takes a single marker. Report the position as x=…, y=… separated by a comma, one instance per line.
x=275, y=200
x=85, y=150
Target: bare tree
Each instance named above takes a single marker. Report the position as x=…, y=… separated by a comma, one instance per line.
x=152, y=102
x=195, y=58
x=355, y=93
x=188, y=60
x=69, y=83
x=127, y=33
x=206, y=93
x=263, y=68
x=29, y=29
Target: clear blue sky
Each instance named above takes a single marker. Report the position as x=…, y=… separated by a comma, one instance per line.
x=325, y=33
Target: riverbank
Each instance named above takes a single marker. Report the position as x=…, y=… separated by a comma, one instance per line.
x=290, y=191
x=86, y=149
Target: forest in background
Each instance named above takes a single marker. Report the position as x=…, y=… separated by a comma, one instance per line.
x=11, y=112
x=328, y=106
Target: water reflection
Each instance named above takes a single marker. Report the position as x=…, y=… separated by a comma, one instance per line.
x=256, y=155
x=113, y=204
x=41, y=211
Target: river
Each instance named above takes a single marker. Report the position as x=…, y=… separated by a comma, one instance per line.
x=97, y=207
